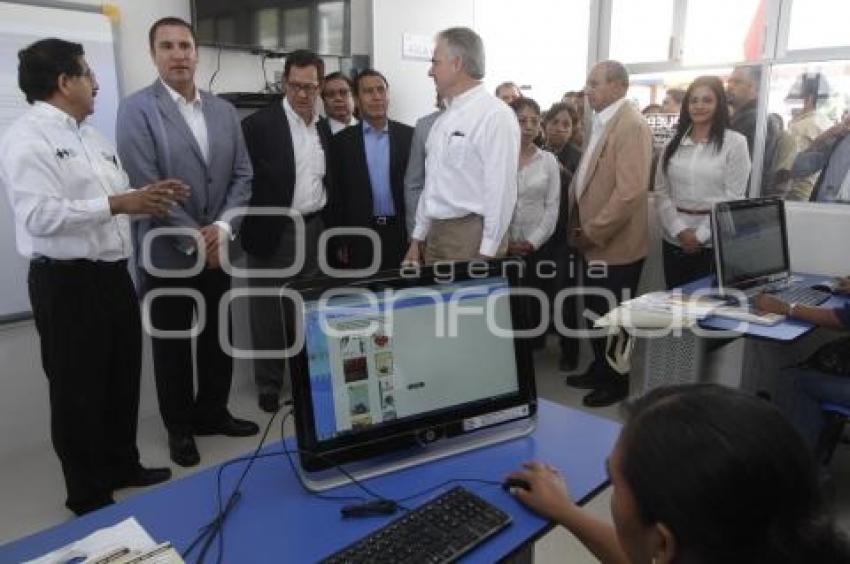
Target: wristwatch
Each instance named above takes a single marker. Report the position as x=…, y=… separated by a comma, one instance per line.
x=790, y=312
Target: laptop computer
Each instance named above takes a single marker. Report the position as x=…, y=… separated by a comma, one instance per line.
x=751, y=252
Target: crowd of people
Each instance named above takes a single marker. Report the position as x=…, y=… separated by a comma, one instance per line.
x=481, y=176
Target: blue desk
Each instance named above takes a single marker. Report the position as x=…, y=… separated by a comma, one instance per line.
x=276, y=521
x=787, y=331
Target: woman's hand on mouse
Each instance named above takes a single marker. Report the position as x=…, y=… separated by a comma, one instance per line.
x=548, y=494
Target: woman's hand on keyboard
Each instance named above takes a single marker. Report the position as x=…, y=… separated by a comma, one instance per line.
x=770, y=304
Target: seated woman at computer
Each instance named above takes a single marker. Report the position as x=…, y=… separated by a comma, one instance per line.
x=704, y=162
x=700, y=474
x=825, y=377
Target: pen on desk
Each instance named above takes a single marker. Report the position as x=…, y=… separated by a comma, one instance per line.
x=155, y=551
x=112, y=555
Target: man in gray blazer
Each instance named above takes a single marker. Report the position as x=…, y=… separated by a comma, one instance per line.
x=414, y=178
x=172, y=129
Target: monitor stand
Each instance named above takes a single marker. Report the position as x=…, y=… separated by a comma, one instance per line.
x=378, y=466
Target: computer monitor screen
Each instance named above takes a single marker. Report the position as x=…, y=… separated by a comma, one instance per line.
x=750, y=242
x=394, y=363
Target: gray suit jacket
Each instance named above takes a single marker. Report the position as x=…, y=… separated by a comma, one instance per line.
x=414, y=178
x=155, y=143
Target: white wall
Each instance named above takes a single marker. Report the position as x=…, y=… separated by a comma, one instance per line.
x=411, y=90
x=542, y=44
x=816, y=237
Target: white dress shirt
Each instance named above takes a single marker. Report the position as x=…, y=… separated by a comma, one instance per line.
x=471, y=166
x=337, y=126
x=193, y=113
x=309, y=193
x=58, y=176
x=698, y=176
x=600, y=122
x=538, y=199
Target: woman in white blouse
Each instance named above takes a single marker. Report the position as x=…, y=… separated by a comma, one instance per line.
x=538, y=198
x=705, y=162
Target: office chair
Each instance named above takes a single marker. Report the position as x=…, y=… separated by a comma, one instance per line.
x=836, y=415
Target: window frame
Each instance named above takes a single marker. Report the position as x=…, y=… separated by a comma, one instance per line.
x=774, y=52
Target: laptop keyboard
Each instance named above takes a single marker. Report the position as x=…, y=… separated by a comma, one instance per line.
x=802, y=295
x=441, y=530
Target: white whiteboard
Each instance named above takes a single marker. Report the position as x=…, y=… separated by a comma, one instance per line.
x=21, y=25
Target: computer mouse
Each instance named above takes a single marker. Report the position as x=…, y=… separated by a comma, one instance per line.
x=516, y=483
x=826, y=286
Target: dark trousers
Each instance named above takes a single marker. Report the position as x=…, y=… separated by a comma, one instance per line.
x=393, y=239
x=534, y=275
x=87, y=317
x=558, y=252
x=622, y=281
x=267, y=331
x=179, y=404
x=681, y=268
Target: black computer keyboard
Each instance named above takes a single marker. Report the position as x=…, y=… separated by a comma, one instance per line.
x=441, y=530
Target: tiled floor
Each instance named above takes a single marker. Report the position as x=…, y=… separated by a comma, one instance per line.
x=32, y=492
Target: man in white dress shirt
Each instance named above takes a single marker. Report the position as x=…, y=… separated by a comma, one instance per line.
x=472, y=159
x=338, y=101
x=288, y=144
x=71, y=201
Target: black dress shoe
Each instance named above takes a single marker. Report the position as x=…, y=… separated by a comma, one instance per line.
x=183, y=450
x=607, y=395
x=269, y=402
x=81, y=508
x=228, y=426
x=590, y=380
x=142, y=477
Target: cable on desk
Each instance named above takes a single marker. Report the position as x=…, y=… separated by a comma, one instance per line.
x=215, y=529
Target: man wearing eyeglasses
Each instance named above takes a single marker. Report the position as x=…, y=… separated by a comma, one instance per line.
x=338, y=103
x=174, y=129
x=288, y=144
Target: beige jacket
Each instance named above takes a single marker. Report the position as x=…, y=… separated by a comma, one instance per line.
x=612, y=209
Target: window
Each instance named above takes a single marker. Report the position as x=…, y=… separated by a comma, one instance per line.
x=641, y=31
x=331, y=27
x=723, y=31
x=296, y=28
x=807, y=99
x=267, y=27
x=819, y=24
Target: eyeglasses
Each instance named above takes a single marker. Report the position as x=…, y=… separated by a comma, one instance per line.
x=340, y=93
x=529, y=120
x=308, y=89
x=88, y=73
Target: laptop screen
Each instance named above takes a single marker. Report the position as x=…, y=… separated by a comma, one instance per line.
x=750, y=242
x=399, y=358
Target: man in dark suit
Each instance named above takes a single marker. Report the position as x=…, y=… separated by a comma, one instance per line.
x=371, y=159
x=172, y=129
x=288, y=145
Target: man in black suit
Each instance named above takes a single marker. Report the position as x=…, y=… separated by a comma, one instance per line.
x=288, y=145
x=371, y=159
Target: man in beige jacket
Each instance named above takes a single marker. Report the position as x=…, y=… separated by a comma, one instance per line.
x=608, y=214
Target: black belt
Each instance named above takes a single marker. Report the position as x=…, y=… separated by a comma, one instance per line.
x=47, y=261
x=384, y=220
